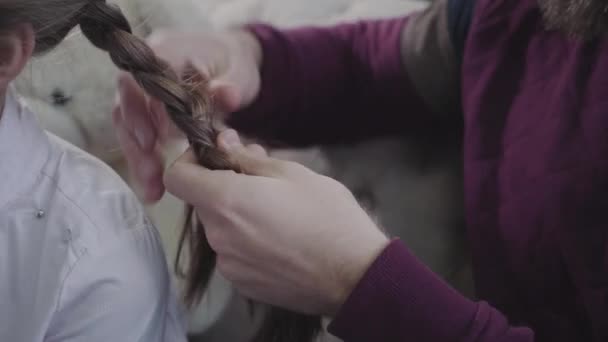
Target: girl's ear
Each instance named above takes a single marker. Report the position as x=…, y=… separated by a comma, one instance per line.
x=16, y=48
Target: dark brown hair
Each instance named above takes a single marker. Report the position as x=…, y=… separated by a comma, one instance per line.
x=189, y=108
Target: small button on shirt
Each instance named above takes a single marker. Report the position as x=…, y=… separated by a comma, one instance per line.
x=79, y=260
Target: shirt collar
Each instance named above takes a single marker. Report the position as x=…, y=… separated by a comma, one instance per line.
x=24, y=149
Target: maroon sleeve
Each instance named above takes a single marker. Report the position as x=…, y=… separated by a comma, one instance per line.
x=332, y=85
x=400, y=299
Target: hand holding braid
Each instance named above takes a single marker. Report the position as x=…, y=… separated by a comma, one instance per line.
x=191, y=111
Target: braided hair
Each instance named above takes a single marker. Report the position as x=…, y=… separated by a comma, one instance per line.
x=188, y=106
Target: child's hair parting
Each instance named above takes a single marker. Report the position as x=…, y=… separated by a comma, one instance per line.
x=188, y=107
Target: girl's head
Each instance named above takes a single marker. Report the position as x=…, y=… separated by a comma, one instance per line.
x=33, y=26
x=30, y=27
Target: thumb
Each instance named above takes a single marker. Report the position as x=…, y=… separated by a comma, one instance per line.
x=226, y=96
x=196, y=185
x=252, y=160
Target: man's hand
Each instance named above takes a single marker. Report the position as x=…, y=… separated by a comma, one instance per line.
x=230, y=61
x=284, y=235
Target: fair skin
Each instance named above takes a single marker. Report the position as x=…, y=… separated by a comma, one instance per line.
x=16, y=48
x=284, y=235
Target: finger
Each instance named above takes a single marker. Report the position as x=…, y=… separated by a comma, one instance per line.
x=150, y=171
x=145, y=167
x=257, y=163
x=254, y=160
x=226, y=96
x=250, y=160
x=233, y=269
x=228, y=139
x=257, y=150
x=136, y=116
x=158, y=112
x=166, y=128
x=197, y=185
x=187, y=157
x=127, y=143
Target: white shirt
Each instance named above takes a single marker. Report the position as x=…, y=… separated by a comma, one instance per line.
x=79, y=260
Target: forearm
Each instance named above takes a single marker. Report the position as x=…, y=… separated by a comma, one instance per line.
x=399, y=299
x=332, y=85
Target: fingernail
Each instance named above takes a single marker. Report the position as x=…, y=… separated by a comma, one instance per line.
x=230, y=138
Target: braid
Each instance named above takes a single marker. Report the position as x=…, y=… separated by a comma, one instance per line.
x=191, y=110
x=106, y=27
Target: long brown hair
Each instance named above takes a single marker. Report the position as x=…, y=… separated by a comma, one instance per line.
x=190, y=109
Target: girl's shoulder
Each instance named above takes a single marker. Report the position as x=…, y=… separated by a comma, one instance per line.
x=100, y=206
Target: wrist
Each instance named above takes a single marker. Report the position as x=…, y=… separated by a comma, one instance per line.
x=357, y=261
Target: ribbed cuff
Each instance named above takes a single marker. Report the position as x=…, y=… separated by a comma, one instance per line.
x=399, y=299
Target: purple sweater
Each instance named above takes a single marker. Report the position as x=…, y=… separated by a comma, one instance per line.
x=534, y=106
